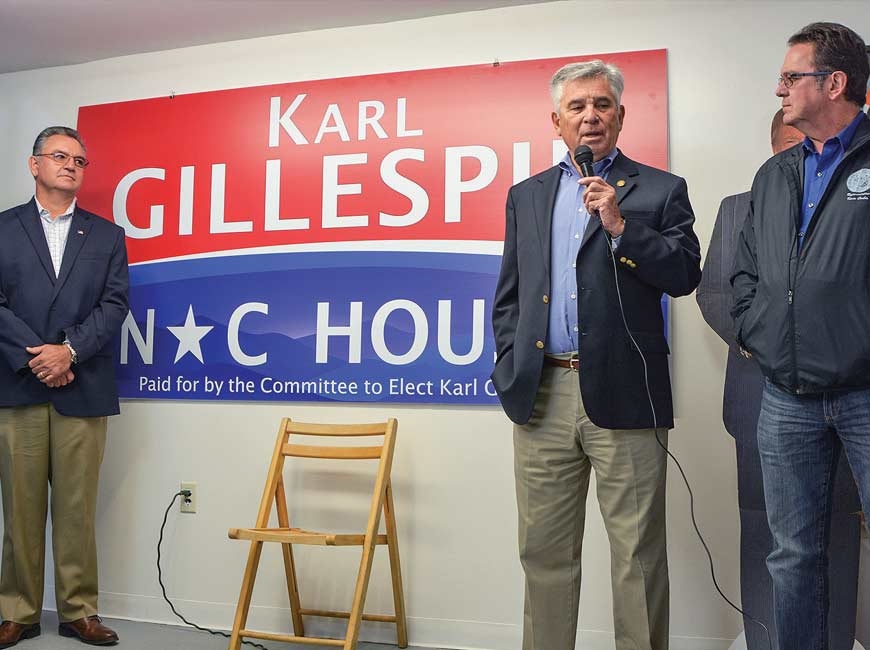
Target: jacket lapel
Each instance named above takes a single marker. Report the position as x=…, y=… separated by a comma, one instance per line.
x=30, y=220
x=543, y=200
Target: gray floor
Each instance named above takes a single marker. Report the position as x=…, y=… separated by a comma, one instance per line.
x=150, y=636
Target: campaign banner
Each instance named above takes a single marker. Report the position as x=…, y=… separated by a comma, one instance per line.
x=333, y=239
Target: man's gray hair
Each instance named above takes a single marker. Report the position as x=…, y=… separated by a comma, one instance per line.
x=45, y=134
x=586, y=70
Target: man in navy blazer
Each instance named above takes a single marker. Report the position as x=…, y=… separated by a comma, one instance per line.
x=586, y=261
x=63, y=298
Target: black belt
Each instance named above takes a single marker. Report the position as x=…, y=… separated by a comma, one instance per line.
x=573, y=363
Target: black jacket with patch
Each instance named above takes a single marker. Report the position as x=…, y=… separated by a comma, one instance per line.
x=805, y=316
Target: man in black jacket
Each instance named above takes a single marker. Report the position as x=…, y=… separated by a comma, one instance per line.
x=740, y=407
x=802, y=310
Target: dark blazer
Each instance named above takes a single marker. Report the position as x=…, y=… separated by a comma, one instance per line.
x=87, y=303
x=658, y=252
x=741, y=401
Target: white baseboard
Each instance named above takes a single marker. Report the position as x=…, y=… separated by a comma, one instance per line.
x=425, y=632
x=740, y=643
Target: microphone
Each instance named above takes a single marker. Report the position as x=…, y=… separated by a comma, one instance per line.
x=583, y=158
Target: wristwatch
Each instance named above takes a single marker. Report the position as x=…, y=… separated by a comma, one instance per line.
x=74, y=358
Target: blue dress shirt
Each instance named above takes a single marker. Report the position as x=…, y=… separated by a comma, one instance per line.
x=570, y=220
x=818, y=169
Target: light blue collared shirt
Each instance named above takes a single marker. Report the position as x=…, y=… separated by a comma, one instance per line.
x=570, y=220
x=56, y=232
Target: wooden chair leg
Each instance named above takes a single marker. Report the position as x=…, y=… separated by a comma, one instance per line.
x=359, y=594
x=395, y=569
x=293, y=590
x=289, y=564
x=244, y=605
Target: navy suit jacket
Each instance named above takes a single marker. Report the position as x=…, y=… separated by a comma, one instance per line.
x=741, y=402
x=658, y=252
x=86, y=303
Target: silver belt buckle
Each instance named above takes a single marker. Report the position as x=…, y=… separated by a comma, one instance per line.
x=574, y=363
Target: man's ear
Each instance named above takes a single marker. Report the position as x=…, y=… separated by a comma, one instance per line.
x=838, y=84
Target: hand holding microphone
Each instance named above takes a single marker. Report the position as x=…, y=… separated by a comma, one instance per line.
x=599, y=197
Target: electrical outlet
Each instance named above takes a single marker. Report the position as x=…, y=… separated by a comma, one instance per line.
x=188, y=504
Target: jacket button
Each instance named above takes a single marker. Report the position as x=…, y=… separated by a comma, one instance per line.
x=622, y=259
x=546, y=299
x=539, y=345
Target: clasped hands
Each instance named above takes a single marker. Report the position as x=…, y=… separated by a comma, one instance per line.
x=600, y=199
x=51, y=364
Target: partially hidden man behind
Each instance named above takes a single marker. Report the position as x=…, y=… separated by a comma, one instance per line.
x=802, y=309
x=63, y=297
x=568, y=374
x=740, y=408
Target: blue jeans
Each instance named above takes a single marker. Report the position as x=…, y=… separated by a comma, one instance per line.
x=800, y=438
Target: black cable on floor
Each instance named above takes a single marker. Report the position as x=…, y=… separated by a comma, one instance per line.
x=163, y=588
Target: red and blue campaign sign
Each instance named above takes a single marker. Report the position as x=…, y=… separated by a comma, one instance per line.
x=334, y=240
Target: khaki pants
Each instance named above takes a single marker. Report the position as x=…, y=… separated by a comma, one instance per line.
x=554, y=453
x=39, y=446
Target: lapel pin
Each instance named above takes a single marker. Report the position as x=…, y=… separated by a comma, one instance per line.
x=620, y=183
x=80, y=232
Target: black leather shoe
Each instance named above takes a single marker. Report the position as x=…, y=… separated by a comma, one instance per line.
x=11, y=633
x=89, y=630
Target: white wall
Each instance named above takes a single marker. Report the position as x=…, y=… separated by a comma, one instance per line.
x=453, y=472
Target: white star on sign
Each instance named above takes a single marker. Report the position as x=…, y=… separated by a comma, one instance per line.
x=189, y=336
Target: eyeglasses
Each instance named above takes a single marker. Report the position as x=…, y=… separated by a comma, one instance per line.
x=60, y=158
x=788, y=79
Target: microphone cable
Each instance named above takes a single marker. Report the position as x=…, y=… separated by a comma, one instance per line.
x=609, y=243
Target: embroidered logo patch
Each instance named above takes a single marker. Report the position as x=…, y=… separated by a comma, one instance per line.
x=859, y=181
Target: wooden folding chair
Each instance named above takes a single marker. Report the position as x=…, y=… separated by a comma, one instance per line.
x=382, y=500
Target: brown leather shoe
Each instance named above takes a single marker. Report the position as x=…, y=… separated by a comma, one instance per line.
x=11, y=633
x=89, y=630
